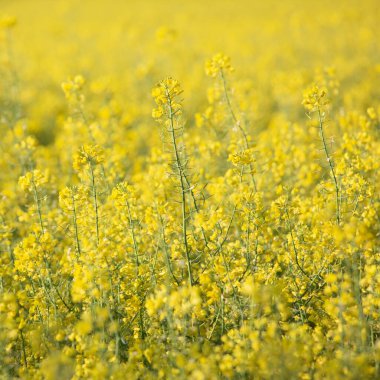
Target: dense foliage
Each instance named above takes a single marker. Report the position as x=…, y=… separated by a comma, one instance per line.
x=172, y=212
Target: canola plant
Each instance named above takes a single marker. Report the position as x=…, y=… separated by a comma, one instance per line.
x=189, y=190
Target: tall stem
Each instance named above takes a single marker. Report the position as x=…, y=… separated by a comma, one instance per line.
x=75, y=225
x=237, y=123
x=95, y=201
x=38, y=205
x=135, y=249
x=179, y=167
x=331, y=165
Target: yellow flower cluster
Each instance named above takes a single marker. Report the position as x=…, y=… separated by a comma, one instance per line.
x=315, y=99
x=88, y=156
x=71, y=195
x=237, y=240
x=73, y=86
x=244, y=157
x=217, y=64
x=33, y=180
x=165, y=94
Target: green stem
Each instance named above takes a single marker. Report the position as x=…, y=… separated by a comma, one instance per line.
x=135, y=249
x=181, y=176
x=38, y=204
x=95, y=199
x=76, y=226
x=331, y=165
x=23, y=349
x=167, y=256
x=290, y=227
x=237, y=123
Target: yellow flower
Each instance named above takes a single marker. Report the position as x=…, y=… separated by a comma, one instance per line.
x=73, y=86
x=217, y=64
x=33, y=180
x=157, y=113
x=165, y=94
x=71, y=197
x=244, y=157
x=315, y=98
x=88, y=155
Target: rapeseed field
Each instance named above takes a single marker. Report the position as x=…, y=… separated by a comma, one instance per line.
x=189, y=189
